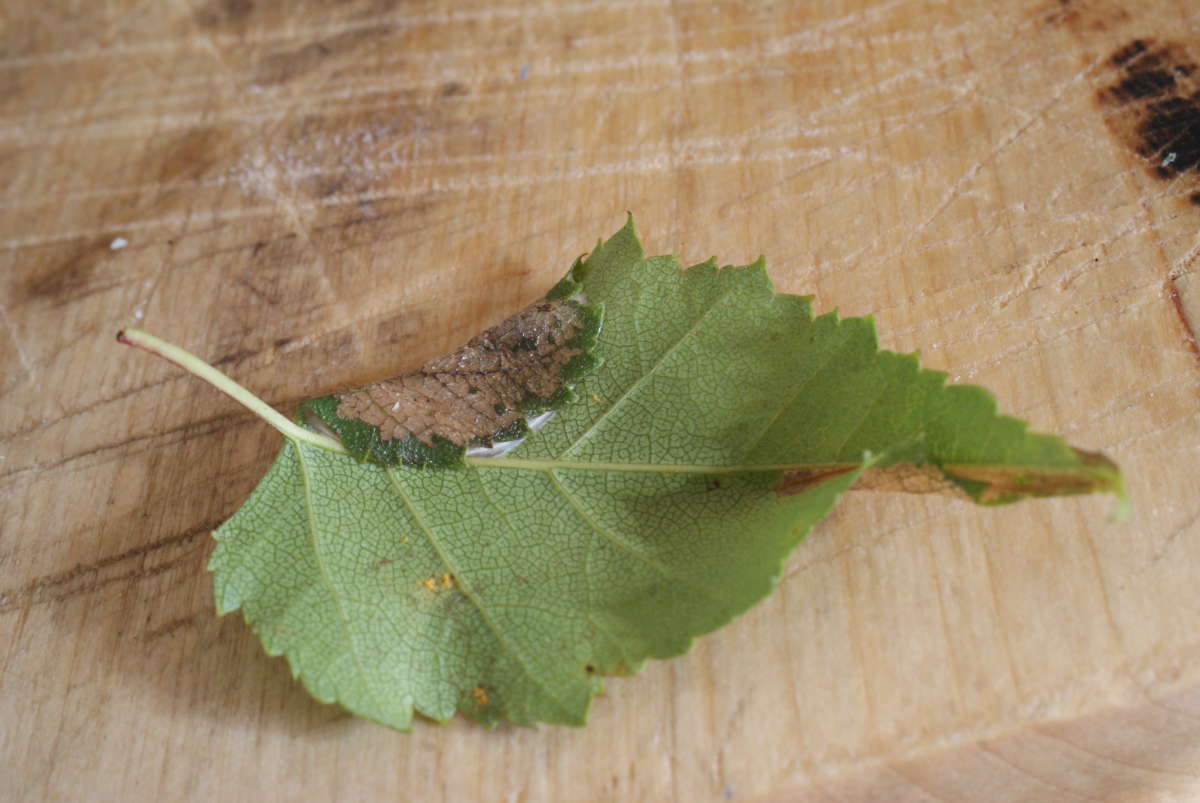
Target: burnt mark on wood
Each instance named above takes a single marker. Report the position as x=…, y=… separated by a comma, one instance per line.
x=1149, y=95
x=1152, y=105
x=1172, y=131
x=1145, y=72
x=1128, y=53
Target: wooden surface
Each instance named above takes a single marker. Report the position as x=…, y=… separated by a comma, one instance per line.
x=326, y=194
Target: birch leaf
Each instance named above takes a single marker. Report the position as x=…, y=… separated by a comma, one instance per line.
x=597, y=481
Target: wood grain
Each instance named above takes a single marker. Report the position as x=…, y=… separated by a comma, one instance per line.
x=315, y=196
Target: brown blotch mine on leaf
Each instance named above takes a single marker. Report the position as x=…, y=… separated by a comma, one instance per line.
x=800, y=480
x=473, y=393
x=1001, y=482
x=903, y=477
x=993, y=483
x=909, y=478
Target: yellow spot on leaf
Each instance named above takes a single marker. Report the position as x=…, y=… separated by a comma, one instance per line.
x=481, y=695
x=436, y=583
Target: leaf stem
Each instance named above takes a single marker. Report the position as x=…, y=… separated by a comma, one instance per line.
x=199, y=368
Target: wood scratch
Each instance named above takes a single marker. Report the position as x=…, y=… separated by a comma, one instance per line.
x=130, y=565
x=695, y=149
x=28, y=365
x=1187, y=527
x=292, y=205
x=958, y=186
x=459, y=16
x=1189, y=333
x=729, y=66
x=1188, y=450
x=983, y=747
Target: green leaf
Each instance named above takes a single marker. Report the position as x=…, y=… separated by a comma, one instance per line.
x=713, y=423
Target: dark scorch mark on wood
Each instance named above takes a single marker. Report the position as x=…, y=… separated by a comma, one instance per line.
x=1152, y=105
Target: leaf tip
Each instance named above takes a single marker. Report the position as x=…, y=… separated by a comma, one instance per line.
x=1123, y=511
x=1092, y=472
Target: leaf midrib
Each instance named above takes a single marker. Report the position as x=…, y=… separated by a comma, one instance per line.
x=528, y=464
x=532, y=464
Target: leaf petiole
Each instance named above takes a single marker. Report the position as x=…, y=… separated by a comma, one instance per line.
x=199, y=368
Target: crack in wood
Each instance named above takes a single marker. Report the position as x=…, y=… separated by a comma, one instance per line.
x=87, y=578
x=1181, y=313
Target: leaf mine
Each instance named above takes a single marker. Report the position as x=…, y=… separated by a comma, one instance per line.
x=481, y=394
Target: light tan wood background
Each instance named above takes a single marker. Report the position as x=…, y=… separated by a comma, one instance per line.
x=324, y=194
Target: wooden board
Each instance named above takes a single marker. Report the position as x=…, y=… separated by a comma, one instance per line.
x=319, y=195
